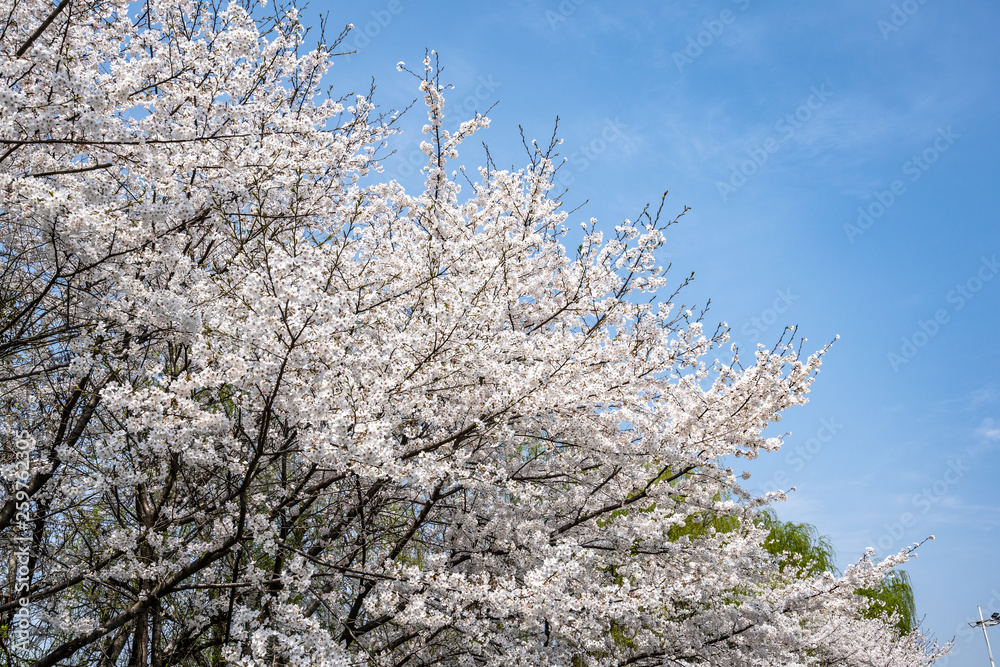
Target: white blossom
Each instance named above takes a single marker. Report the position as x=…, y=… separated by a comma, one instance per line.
x=284, y=418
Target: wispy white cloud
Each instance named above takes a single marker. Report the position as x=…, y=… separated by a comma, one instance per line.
x=989, y=430
x=971, y=401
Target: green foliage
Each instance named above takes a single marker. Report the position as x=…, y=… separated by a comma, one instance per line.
x=701, y=525
x=798, y=546
x=894, y=596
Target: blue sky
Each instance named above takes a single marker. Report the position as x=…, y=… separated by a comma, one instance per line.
x=840, y=163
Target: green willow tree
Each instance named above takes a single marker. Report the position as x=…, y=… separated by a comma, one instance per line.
x=800, y=546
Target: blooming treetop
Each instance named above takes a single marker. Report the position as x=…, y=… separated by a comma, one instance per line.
x=285, y=417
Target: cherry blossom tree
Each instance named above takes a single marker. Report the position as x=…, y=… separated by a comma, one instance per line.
x=272, y=411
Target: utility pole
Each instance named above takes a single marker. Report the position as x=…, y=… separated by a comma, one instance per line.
x=985, y=623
